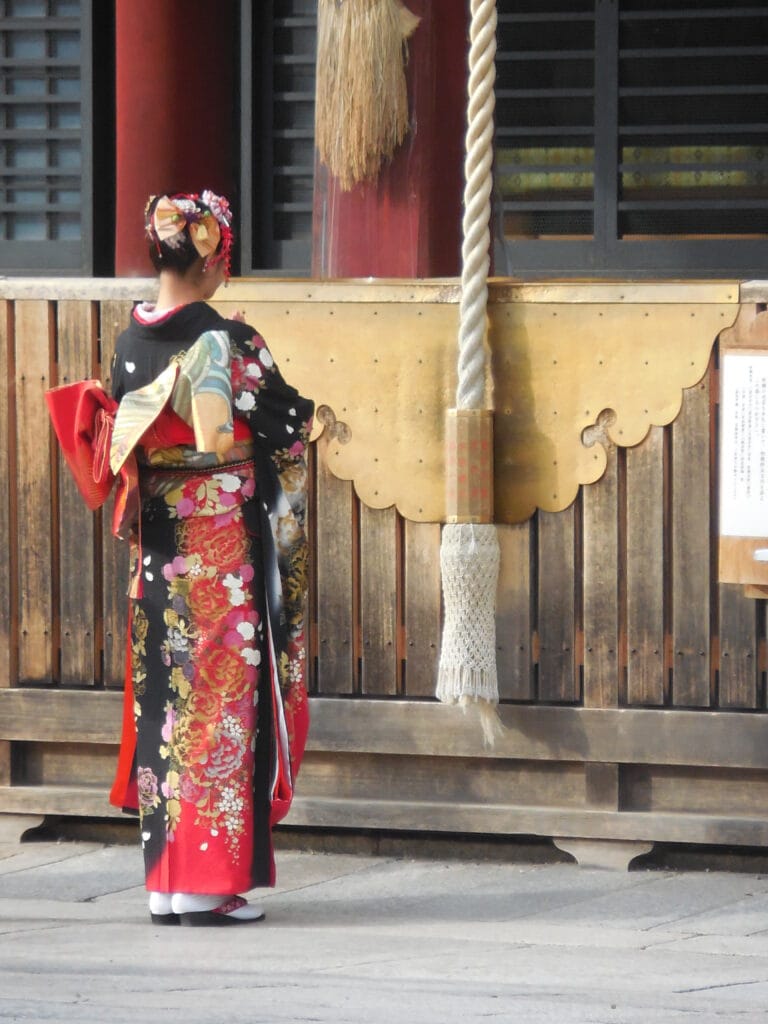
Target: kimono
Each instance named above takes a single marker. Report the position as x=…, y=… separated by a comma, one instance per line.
x=216, y=711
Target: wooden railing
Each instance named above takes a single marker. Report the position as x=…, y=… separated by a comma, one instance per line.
x=621, y=659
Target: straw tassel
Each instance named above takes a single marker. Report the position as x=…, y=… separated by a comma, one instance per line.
x=361, y=112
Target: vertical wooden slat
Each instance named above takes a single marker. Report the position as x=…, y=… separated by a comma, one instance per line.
x=310, y=606
x=33, y=319
x=7, y=640
x=558, y=680
x=76, y=338
x=113, y=318
x=334, y=581
x=761, y=614
x=645, y=570
x=421, y=607
x=378, y=600
x=513, y=614
x=691, y=550
x=601, y=571
x=738, y=676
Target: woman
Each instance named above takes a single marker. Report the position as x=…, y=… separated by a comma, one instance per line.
x=217, y=439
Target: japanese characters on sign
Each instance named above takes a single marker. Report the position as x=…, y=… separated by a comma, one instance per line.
x=744, y=445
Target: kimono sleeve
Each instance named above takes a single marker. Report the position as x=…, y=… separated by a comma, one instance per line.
x=279, y=417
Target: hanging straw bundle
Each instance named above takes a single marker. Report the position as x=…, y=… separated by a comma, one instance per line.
x=361, y=109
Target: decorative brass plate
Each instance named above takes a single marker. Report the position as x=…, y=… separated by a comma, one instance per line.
x=381, y=358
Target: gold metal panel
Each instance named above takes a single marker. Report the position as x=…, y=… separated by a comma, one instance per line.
x=567, y=374
x=572, y=362
x=382, y=374
x=586, y=292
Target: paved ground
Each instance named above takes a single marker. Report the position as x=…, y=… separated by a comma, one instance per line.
x=383, y=940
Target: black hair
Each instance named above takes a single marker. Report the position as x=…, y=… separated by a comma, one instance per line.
x=177, y=253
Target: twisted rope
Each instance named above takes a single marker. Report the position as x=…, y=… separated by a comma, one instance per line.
x=475, y=249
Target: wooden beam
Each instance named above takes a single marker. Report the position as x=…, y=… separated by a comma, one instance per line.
x=516, y=820
x=716, y=739
x=319, y=812
x=79, y=801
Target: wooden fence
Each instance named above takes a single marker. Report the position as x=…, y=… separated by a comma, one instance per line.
x=633, y=685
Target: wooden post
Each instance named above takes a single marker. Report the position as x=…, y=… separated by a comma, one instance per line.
x=408, y=222
x=174, y=97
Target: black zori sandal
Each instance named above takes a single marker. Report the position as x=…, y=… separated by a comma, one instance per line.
x=165, y=919
x=235, y=910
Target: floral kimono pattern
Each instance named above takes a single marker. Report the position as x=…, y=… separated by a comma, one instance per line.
x=216, y=647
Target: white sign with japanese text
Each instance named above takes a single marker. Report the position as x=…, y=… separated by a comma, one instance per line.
x=744, y=444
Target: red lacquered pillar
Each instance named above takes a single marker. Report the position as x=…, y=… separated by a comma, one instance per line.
x=174, y=109
x=408, y=222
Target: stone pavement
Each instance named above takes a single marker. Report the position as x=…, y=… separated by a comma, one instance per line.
x=383, y=940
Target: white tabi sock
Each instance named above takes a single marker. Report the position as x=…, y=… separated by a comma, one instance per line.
x=192, y=902
x=160, y=903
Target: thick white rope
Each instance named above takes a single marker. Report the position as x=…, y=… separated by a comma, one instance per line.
x=475, y=249
x=469, y=554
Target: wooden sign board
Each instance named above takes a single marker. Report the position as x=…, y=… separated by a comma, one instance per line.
x=743, y=545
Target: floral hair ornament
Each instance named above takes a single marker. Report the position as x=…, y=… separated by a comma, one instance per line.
x=207, y=220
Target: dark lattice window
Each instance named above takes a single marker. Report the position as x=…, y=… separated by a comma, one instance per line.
x=278, y=91
x=632, y=137
x=45, y=141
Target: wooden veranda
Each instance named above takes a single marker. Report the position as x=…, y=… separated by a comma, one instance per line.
x=633, y=685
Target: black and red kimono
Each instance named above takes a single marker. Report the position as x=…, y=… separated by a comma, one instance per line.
x=216, y=704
